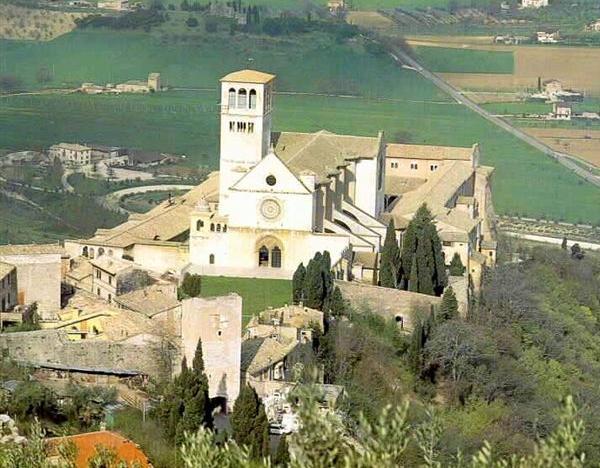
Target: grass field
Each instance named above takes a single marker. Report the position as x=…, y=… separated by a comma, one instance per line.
x=199, y=62
x=525, y=182
x=257, y=294
x=454, y=60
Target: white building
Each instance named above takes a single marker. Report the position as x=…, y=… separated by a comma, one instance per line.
x=561, y=111
x=534, y=3
x=544, y=37
x=283, y=197
x=71, y=154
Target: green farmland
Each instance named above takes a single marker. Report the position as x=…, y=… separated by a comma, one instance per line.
x=452, y=60
x=526, y=182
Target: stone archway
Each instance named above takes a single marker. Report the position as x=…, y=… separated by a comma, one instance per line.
x=269, y=252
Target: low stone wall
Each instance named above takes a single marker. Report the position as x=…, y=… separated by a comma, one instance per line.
x=393, y=304
x=142, y=353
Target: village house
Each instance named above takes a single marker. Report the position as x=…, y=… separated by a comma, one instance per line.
x=544, y=37
x=118, y=5
x=534, y=3
x=71, y=154
x=594, y=26
x=107, y=273
x=561, y=111
x=40, y=269
x=8, y=286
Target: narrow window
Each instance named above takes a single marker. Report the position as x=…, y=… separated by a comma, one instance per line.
x=231, y=126
x=212, y=227
x=199, y=225
x=211, y=259
x=251, y=127
x=276, y=257
x=263, y=256
x=224, y=227
x=242, y=102
x=218, y=228
x=252, y=101
x=231, y=100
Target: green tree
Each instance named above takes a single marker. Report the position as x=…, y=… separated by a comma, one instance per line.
x=389, y=268
x=191, y=285
x=337, y=307
x=282, y=456
x=249, y=423
x=456, y=266
x=422, y=262
x=298, y=284
x=313, y=283
x=449, y=306
x=327, y=280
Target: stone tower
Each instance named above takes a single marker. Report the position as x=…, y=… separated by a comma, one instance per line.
x=246, y=109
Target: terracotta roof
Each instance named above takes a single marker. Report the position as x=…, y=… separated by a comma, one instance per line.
x=323, y=152
x=5, y=269
x=260, y=353
x=249, y=76
x=398, y=150
x=31, y=249
x=86, y=444
x=162, y=223
x=111, y=265
x=150, y=301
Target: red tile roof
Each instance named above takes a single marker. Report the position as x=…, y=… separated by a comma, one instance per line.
x=86, y=444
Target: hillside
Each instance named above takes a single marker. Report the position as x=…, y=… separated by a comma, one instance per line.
x=34, y=24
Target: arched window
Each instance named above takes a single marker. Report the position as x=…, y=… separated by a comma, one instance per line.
x=91, y=253
x=263, y=257
x=211, y=259
x=276, y=257
x=212, y=226
x=199, y=225
x=110, y=253
x=100, y=251
x=231, y=98
x=252, y=101
x=224, y=227
x=218, y=228
x=84, y=252
x=242, y=101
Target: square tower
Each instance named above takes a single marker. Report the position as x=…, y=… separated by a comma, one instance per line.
x=246, y=109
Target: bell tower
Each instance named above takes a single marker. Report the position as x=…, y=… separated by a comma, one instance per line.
x=246, y=109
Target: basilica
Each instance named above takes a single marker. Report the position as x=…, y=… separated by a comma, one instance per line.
x=280, y=197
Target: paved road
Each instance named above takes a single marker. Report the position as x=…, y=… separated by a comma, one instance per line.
x=403, y=59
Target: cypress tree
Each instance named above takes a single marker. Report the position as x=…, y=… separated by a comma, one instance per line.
x=421, y=242
x=449, y=306
x=282, y=456
x=298, y=284
x=389, y=268
x=191, y=285
x=336, y=304
x=327, y=280
x=313, y=283
x=249, y=422
x=456, y=266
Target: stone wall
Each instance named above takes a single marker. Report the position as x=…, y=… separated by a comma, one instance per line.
x=218, y=322
x=393, y=304
x=38, y=280
x=143, y=353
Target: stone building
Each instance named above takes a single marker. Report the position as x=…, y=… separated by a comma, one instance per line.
x=8, y=286
x=106, y=274
x=39, y=272
x=71, y=154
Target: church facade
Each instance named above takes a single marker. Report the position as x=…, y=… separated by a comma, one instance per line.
x=284, y=196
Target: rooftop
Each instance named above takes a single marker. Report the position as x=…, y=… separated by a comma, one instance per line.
x=111, y=265
x=5, y=269
x=150, y=301
x=71, y=146
x=397, y=150
x=249, y=76
x=260, y=353
x=86, y=444
x=397, y=185
x=31, y=249
x=296, y=316
x=323, y=152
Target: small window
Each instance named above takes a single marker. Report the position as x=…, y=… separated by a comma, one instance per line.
x=231, y=126
x=433, y=167
x=109, y=279
x=252, y=99
x=276, y=257
x=251, y=127
x=219, y=333
x=414, y=166
x=218, y=228
x=242, y=101
x=199, y=225
x=231, y=97
x=212, y=226
x=271, y=180
x=211, y=259
x=224, y=227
